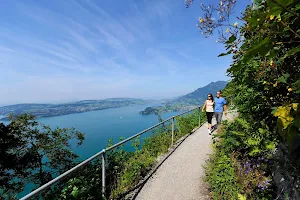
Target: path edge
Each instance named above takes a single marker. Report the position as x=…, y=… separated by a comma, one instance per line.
x=133, y=193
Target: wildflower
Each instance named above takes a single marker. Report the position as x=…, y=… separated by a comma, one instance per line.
x=272, y=17
x=290, y=89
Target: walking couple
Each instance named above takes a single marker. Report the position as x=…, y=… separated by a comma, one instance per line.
x=214, y=106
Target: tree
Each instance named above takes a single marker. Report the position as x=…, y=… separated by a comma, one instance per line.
x=12, y=162
x=37, y=152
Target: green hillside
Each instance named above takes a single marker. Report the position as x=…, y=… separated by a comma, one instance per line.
x=199, y=95
x=188, y=101
x=49, y=110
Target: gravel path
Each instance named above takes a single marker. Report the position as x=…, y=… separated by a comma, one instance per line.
x=180, y=176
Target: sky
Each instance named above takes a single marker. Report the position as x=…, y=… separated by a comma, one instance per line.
x=61, y=51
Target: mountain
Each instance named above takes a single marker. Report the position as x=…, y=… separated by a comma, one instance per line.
x=49, y=110
x=188, y=101
x=200, y=95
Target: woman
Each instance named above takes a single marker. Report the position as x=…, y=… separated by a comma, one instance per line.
x=209, y=105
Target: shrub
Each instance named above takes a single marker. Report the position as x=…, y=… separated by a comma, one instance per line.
x=221, y=176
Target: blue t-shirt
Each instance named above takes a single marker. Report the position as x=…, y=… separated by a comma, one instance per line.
x=220, y=102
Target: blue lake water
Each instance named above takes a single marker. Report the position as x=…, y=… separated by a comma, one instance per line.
x=100, y=126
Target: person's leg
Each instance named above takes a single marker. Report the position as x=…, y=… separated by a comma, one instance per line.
x=220, y=117
x=209, y=119
x=217, y=117
x=209, y=123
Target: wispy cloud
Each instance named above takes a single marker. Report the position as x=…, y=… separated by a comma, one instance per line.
x=91, y=49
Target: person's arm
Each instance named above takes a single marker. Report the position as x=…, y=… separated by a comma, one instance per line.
x=203, y=106
x=225, y=107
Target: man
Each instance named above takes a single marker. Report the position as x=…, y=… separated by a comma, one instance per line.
x=220, y=106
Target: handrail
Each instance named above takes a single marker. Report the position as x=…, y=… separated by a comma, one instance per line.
x=85, y=162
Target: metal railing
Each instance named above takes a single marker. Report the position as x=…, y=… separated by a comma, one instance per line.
x=102, y=154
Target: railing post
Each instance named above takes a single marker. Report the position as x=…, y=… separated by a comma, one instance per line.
x=103, y=174
x=199, y=114
x=173, y=131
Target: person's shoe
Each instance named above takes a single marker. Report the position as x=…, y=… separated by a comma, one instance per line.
x=209, y=131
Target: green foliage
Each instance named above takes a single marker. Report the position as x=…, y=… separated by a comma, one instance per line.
x=265, y=83
x=12, y=161
x=268, y=68
x=240, y=164
x=241, y=136
x=36, y=153
x=221, y=176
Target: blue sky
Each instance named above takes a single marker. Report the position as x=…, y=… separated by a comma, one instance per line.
x=60, y=51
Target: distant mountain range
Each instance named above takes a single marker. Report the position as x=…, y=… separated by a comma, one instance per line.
x=200, y=95
x=188, y=101
x=184, y=102
x=49, y=110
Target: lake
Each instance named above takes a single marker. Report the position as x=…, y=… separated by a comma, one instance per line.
x=99, y=126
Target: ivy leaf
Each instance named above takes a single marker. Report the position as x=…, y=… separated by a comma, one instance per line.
x=274, y=109
x=261, y=47
x=275, y=9
x=225, y=54
x=286, y=75
x=282, y=79
x=242, y=197
x=285, y=2
x=283, y=114
x=254, y=151
x=231, y=39
x=291, y=52
x=271, y=145
x=297, y=7
x=75, y=192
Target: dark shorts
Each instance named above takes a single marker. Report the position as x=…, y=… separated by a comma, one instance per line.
x=209, y=116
